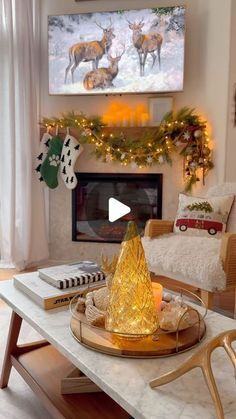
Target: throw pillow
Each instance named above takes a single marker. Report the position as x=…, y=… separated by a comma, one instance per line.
x=226, y=188
x=203, y=216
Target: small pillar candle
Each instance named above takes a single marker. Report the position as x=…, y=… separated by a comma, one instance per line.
x=132, y=119
x=125, y=119
x=118, y=118
x=157, y=292
x=144, y=119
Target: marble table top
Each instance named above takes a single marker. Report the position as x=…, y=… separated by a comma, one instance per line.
x=126, y=380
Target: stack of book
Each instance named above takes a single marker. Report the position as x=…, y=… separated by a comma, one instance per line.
x=55, y=286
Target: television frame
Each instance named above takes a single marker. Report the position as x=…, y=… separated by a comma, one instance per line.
x=119, y=93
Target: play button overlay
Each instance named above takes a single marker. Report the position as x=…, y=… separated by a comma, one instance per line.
x=117, y=210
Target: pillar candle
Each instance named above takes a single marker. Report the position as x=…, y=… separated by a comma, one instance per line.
x=144, y=119
x=132, y=119
x=157, y=292
x=119, y=118
x=125, y=118
x=110, y=120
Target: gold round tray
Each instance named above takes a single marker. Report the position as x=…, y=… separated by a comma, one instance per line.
x=160, y=344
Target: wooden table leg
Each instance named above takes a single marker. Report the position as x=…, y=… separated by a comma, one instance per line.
x=11, y=345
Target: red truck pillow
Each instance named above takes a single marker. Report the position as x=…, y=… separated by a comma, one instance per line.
x=203, y=216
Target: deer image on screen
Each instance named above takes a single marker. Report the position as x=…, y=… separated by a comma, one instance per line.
x=90, y=51
x=146, y=44
x=103, y=77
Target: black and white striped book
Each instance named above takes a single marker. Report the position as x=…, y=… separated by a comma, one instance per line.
x=72, y=275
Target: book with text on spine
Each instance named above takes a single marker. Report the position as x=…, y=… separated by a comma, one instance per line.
x=72, y=275
x=44, y=294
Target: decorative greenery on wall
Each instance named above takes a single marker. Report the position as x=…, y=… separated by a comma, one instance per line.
x=183, y=132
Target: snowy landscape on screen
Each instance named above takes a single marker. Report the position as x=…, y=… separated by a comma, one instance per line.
x=68, y=30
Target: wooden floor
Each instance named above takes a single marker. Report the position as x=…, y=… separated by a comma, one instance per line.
x=223, y=302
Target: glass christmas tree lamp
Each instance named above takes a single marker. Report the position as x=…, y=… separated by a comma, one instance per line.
x=131, y=309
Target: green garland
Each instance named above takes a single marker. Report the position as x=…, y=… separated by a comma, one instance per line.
x=183, y=132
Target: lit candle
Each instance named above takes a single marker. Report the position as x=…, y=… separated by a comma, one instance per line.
x=157, y=292
x=132, y=119
x=118, y=118
x=141, y=108
x=110, y=120
x=144, y=119
x=125, y=118
x=137, y=118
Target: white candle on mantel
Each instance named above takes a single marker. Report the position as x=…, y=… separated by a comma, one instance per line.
x=132, y=119
x=144, y=119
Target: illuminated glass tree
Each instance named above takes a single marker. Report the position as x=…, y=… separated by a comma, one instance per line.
x=131, y=308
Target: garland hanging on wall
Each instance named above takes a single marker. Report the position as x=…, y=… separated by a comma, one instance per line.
x=183, y=132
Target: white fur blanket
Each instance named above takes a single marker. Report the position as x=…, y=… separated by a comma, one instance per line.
x=195, y=259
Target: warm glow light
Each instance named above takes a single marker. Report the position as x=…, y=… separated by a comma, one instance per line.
x=157, y=291
x=131, y=309
x=120, y=114
x=144, y=119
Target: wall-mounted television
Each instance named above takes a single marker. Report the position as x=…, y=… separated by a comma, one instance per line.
x=124, y=51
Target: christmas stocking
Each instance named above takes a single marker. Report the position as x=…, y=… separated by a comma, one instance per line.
x=70, y=152
x=43, y=149
x=50, y=166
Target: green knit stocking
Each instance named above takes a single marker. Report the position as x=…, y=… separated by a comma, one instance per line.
x=50, y=166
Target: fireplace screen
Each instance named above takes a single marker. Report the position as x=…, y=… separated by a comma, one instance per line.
x=142, y=193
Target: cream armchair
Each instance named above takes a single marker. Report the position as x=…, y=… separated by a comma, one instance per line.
x=155, y=228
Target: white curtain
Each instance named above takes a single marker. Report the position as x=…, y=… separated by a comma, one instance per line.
x=23, y=238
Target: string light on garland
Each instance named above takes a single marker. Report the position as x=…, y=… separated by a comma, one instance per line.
x=183, y=132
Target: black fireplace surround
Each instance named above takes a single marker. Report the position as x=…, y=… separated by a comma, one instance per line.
x=141, y=192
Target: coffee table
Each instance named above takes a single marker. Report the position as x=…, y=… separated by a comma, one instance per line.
x=123, y=380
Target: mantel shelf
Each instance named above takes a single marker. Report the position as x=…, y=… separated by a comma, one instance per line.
x=134, y=130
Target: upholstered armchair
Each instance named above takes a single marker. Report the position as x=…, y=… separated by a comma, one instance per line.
x=227, y=249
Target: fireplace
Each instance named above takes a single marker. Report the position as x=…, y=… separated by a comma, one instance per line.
x=141, y=192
